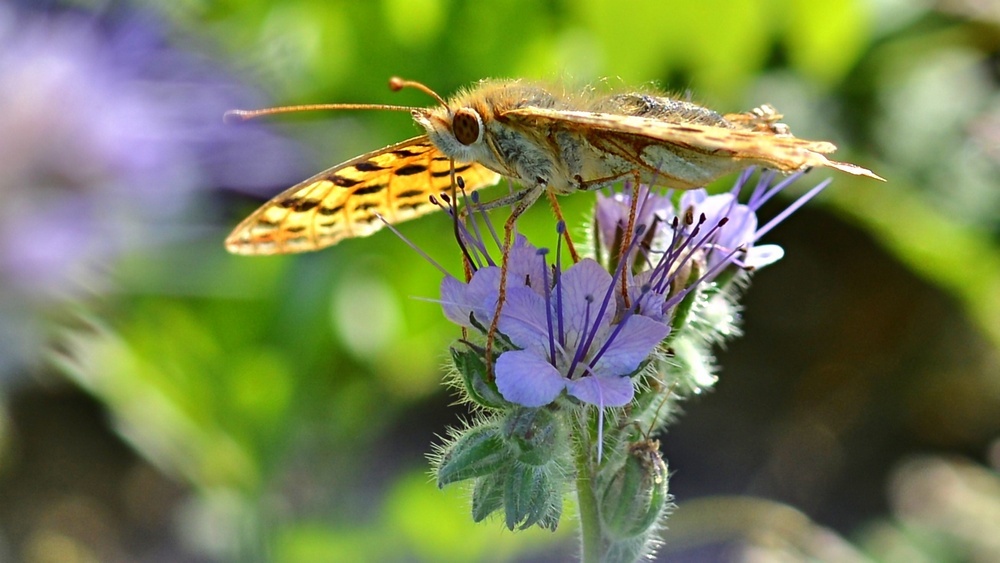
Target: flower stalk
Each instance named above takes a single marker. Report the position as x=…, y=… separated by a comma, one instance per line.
x=590, y=521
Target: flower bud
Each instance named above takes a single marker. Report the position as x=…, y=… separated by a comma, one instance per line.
x=531, y=497
x=636, y=496
x=487, y=495
x=477, y=452
x=532, y=434
x=691, y=369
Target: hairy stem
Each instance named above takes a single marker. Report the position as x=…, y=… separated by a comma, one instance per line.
x=591, y=543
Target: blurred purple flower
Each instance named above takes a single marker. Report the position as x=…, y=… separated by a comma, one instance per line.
x=106, y=135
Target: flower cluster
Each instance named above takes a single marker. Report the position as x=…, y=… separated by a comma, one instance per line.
x=588, y=358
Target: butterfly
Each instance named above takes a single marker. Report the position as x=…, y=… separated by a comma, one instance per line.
x=543, y=139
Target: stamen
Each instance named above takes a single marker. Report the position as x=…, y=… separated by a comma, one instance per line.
x=588, y=337
x=763, y=190
x=410, y=243
x=486, y=219
x=456, y=228
x=581, y=348
x=557, y=281
x=708, y=275
x=462, y=236
x=670, y=263
x=791, y=209
x=548, y=305
x=480, y=242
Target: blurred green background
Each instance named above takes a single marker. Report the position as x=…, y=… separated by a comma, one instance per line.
x=161, y=400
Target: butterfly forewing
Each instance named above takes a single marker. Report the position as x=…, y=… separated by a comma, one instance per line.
x=346, y=201
x=689, y=154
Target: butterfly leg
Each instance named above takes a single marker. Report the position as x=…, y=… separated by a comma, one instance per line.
x=632, y=213
x=630, y=228
x=522, y=201
x=559, y=217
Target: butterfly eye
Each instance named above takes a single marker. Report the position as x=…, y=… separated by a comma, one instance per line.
x=467, y=126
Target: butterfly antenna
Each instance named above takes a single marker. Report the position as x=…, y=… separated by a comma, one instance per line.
x=236, y=115
x=396, y=84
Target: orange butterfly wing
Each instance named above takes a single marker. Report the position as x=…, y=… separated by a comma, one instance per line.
x=346, y=200
x=706, y=151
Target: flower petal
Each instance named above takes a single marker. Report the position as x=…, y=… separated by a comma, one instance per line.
x=608, y=213
x=614, y=391
x=523, y=320
x=525, y=266
x=634, y=343
x=526, y=379
x=584, y=286
x=763, y=255
x=459, y=300
x=739, y=231
x=692, y=198
x=649, y=302
x=453, y=301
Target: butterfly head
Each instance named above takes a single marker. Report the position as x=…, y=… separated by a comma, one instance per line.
x=473, y=127
x=456, y=129
x=457, y=132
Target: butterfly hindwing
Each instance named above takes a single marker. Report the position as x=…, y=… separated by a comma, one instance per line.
x=347, y=200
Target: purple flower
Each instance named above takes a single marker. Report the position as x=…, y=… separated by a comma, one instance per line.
x=612, y=211
x=576, y=338
x=572, y=331
x=717, y=230
x=479, y=296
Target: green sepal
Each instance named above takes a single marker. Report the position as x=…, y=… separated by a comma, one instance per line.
x=726, y=276
x=488, y=495
x=530, y=498
x=481, y=388
x=479, y=451
x=500, y=341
